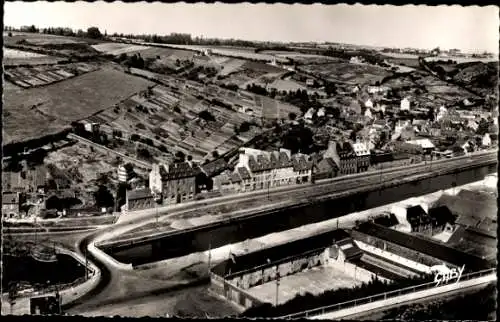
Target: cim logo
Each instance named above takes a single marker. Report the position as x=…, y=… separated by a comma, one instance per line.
x=443, y=274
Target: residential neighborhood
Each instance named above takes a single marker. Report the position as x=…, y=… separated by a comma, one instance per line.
x=250, y=161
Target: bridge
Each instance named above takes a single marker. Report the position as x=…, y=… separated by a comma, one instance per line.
x=313, y=203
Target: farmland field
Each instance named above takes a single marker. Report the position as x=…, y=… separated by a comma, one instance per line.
x=166, y=52
x=461, y=60
x=231, y=66
x=409, y=62
x=231, y=52
x=20, y=57
x=116, y=49
x=38, y=39
x=56, y=105
x=44, y=75
x=286, y=85
x=348, y=73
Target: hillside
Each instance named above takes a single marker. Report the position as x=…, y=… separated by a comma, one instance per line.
x=478, y=76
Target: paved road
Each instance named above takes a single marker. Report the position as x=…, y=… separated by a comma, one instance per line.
x=113, y=283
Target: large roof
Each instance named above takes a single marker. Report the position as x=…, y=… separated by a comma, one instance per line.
x=179, y=170
x=424, y=143
x=472, y=208
x=361, y=149
x=327, y=164
x=300, y=163
x=425, y=246
x=262, y=162
x=442, y=215
x=244, y=174
x=215, y=167
x=139, y=194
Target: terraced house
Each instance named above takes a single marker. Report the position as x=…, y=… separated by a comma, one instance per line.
x=258, y=169
x=176, y=182
x=344, y=156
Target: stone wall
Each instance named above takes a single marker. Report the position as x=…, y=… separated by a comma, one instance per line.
x=232, y=292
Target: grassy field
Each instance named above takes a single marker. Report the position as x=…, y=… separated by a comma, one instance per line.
x=231, y=66
x=20, y=57
x=116, y=49
x=55, y=106
x=348, y=73
x=286, y=85
x=166, y=52
x=409, y=62
x=47, y=74
x=39, y=39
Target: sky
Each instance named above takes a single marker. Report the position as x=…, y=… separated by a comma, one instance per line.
x=470, y=28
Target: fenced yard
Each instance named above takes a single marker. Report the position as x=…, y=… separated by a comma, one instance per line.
x=314, y=281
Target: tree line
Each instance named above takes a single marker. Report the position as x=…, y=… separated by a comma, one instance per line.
x=91, y=32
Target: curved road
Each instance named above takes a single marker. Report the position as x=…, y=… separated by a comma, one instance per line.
x=112, y=275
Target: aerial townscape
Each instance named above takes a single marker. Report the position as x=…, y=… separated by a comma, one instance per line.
x=174, y=171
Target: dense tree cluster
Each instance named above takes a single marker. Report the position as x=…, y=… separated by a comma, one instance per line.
x=207, y=116
x=256, y=89
x=103, y=198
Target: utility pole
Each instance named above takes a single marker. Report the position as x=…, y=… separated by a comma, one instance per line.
x=380, y=181
x=209, y=257
x=277, y=285
x=36, y=230
x=156, y=215
x=86, y=265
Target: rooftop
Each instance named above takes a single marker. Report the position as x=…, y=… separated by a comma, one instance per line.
x=425, y=246
x=179, y=170
x=139, y=194
x=214, y=167
x=424, y=143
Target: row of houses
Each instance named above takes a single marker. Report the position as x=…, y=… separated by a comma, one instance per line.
x=255, y=170
x=346, y=158
x=258, y=169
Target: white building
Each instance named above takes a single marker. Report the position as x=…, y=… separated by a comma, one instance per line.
x=425, y=144
x=321, y=112
x=123, y=173
x=260, y=169
x=400, y=125
x=309, y=114
x=486, y=140
x=361, y=149
x=369, y=103
x=441, y=113
x=368, y=113
x=472, y=125
x=377, y=89
x=405, y=104
x=356, y=60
